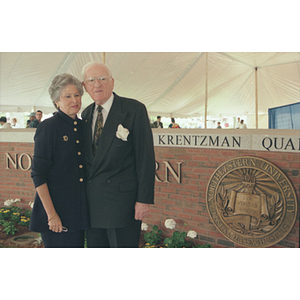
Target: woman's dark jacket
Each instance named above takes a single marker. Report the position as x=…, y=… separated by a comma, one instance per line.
x=58, y=160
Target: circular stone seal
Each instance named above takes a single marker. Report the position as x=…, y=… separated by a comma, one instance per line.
x=251, y=202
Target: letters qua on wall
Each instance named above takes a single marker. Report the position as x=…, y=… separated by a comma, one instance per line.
x=228, y=141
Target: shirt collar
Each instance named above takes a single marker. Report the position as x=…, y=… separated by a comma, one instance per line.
x=107, y=105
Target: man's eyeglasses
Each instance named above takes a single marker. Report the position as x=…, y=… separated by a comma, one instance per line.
x=92, y=80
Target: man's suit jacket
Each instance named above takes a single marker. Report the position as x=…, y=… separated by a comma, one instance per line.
x=122, y=172
x=157, y=124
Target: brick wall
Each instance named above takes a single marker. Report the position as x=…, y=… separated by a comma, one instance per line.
x=185, y=202
x=16, y=183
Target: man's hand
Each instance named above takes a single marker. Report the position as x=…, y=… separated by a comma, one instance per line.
x=141, y=210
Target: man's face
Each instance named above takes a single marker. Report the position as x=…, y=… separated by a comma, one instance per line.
x=99, y=92
x=39, y=116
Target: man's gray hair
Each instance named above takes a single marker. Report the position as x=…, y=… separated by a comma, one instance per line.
x=94, y=63
x=60, y=82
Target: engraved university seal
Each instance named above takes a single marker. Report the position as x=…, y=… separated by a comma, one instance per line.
x=251, y=202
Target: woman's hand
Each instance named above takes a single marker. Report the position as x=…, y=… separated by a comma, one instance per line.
x=55, y=224
x=54, y=221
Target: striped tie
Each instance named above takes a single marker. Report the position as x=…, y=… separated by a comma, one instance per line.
x=98, y=129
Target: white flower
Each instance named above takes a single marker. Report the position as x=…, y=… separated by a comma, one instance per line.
x=192, y=234
x=144, y=226
x=31, y=204
x=9, y=202
x=170, y=223
x=122, y=133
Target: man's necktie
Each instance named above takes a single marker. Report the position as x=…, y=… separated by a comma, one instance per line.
x=98, y=129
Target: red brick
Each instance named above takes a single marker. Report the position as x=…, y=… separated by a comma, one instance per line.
x=175, y=208
x=190, y=211
x=199, y=219
x=184, y=216
x=185, y=202
x=200, y=158
x=168, y=202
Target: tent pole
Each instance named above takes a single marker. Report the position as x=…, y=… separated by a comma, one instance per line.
x=103, y=57
x=205, y=113
x=256, y=100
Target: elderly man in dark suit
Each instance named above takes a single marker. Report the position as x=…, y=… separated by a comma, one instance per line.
x=120, y=162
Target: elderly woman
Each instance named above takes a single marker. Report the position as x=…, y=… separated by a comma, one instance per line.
x=60, y=210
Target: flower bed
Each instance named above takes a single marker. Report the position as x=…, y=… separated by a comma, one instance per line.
x=14, y=221
x=153, y=238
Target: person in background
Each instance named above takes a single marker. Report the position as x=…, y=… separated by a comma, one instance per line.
x=219, y=125
x=60, y=211
x=14, y=123
x=120, y=162
x=238, y=124
x=31, y=119
x=37, y=120
x=173, y=124
x=243, y=125
x=158, y=123
x=4, y=123
x=39, y=115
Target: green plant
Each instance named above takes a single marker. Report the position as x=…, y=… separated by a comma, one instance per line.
x=27, y=214
x=177, y=240
x=9, y=227
x=15, y=209
x=153, y=237
x=12, y=215
x=15, y=217
x=24, y=221
x=5, y=213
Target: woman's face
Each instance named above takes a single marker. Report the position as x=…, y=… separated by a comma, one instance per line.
x=70, y=101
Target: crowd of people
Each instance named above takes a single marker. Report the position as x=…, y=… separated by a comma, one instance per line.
x=159, y=124
x=35, y=118
x=240, y=124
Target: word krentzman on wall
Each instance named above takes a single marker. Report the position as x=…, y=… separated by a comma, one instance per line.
x=228, y=141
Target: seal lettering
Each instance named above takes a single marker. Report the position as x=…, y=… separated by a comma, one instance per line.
x=251, y=202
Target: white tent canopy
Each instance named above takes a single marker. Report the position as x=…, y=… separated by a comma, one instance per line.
x=185, y=84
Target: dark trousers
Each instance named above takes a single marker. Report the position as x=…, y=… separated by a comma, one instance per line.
x=74, y=239
x=126, y=237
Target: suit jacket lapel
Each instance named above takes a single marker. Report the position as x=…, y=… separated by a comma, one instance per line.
x=88, y=133
x=114, y=118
